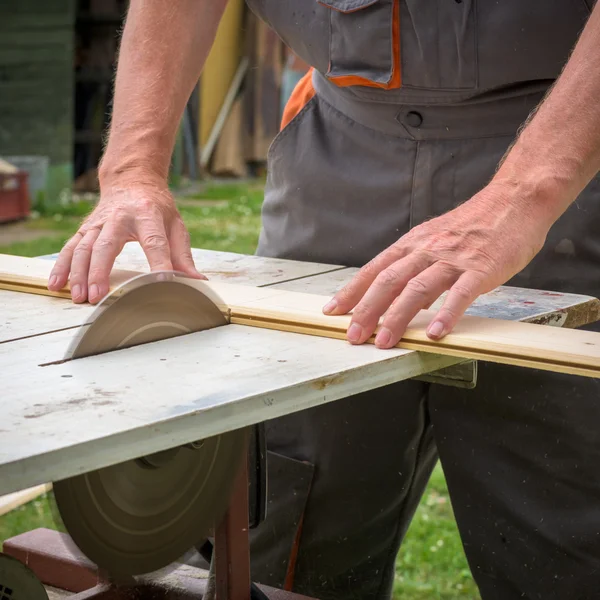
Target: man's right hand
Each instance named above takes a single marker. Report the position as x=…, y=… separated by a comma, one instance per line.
x=143, y=212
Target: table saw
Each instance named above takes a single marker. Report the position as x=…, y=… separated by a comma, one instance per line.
x=104, y=418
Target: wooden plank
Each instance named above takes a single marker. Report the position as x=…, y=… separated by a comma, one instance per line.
x=506, y=302
x=474, y=338
x=230, y=97
x=220, y=67
x=18, y=273
x=80, y=415
x=543, y=307
x=12, y=501
x=494, y=340
x=23, y=315
x=228, y=159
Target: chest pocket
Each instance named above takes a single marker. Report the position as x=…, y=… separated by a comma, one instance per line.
x=364, y=43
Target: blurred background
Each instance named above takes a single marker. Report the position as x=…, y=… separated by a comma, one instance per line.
x=57, y=63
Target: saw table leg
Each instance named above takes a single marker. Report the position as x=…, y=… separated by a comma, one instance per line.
x=232, y=546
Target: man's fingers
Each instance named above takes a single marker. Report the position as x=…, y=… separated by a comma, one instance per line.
x=62, y=267
x=80, y=265
x=108, y=246
x=386, y=287
x=349, y=296
x=181, y=251
x=155, y=243
x=419, y=292
x=462, y=294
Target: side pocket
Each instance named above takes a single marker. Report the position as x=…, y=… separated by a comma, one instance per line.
x=274, y=543
x=364, y=43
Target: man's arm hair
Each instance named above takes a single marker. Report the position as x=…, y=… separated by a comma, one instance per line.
x=557, y=151
x=163, y=50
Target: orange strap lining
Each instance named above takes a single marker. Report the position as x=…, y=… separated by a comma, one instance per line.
x=302, y=94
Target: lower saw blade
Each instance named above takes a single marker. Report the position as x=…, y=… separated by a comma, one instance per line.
x=141, y=515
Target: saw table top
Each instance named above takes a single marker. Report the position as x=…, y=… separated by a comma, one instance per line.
x=60, y=419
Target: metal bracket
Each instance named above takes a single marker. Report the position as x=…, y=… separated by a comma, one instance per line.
x=462, y=375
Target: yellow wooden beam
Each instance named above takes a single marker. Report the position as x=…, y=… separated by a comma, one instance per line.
x=220, y=67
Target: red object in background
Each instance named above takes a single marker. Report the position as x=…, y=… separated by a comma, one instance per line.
x=14, y=196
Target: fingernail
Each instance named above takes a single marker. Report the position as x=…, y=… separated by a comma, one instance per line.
x=76, y=291
x=94, y=291
x=436, y=330
x=330, y=307
x=354, y=332
x=52, y=281
x=383, y=337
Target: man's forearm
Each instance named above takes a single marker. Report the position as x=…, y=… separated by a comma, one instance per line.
x=558, y=152
x=163, y=50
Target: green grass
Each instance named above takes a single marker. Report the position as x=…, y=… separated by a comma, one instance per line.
x=431, y=564
x=223, y=217
x=34, y=514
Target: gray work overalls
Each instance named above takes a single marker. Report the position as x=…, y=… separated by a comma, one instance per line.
x=412, y=105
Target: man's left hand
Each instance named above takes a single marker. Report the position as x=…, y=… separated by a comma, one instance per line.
x=468, y=251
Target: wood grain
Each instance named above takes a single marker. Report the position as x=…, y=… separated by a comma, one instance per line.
x=494, y=340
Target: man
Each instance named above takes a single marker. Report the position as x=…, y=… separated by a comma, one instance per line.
x=393, y=157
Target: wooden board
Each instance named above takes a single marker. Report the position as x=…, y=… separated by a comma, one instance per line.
x=73, y=417
x=220, y=67
x=23, y=315
x=15, y=500
x=543, y=307
x=494, y=340
x=18, y=273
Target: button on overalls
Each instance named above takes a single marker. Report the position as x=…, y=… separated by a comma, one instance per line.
x=408, y=109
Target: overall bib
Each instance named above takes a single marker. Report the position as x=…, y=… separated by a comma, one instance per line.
x=406, y=113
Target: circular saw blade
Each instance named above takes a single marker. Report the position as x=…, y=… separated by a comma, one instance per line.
x=147, y=308
x=141, y=515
